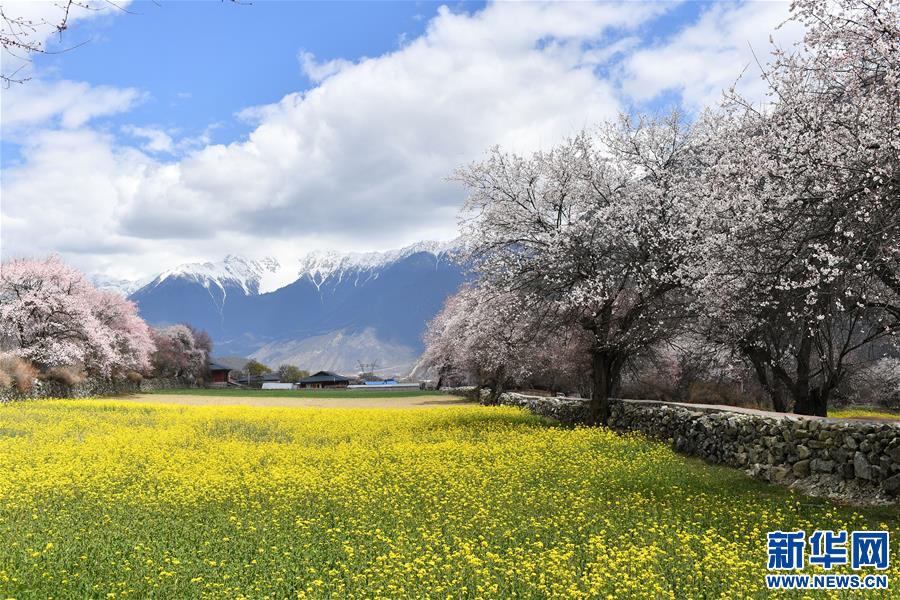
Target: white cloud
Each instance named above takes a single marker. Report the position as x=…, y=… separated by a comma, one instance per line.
x=69, y=104
x=604, y=54
x=375, y=140
x=358, y=162
x=709, y=56
x=169, y=141
x=320, y=71
x=67, y=194
x=157, y=139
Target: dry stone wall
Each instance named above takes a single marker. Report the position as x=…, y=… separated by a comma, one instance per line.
x=90, y=388
x=854, y=460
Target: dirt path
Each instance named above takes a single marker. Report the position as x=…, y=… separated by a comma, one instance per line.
x=400, y=402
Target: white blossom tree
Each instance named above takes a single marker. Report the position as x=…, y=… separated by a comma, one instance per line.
x=482, y=337
x=51, y=315
x=801, y=205
x=595, y=232
x=498, y=340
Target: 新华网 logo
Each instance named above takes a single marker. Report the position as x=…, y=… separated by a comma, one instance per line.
x=825, y=549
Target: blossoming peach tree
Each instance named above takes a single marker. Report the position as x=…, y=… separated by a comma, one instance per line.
x=595, y=233
x=181, y=352
x=51, y=315
x=801, y=204
x=479, y=336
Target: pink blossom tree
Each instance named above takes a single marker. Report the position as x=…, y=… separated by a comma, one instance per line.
x=181, y=352
x=51, y=315
x=493, y=341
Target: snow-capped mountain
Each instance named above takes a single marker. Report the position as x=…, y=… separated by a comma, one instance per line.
x=233, y=271
x=122, y=286
x=325, y=310
x=329, y=266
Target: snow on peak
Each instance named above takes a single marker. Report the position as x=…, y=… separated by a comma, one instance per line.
x=234, y=270
x=114, y=284
x=260, y=276
x=321, y=265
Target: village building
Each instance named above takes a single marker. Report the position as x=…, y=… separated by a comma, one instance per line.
x=324, y=379
x=219, y=375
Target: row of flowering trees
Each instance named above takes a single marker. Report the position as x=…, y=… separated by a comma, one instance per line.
x=492, y=339
x=773, y=230
x=53, y=317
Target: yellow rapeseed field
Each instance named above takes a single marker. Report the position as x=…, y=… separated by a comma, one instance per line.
x=112, y=500
x=855, y=413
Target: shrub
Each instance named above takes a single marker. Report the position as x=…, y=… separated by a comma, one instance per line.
x=17, y=371
x=134, y=377
x=256, y=368
x=67, y=375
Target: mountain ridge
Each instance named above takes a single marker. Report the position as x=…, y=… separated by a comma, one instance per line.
x=350, y=303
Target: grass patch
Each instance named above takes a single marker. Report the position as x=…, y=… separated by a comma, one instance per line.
x=105, y=499
x=338, y=393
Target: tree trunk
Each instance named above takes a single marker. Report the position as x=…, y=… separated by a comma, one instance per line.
x=497, y=386
x=605, y=378
x=808, y=400
x=779, y=404
x=811, y=402
x=802, y=401
x=768, y=381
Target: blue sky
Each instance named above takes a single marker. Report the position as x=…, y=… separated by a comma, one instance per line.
x=201, y=62
x=190, y=130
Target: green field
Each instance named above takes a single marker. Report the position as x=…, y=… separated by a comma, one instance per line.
x=105, y=499
x=324, y=393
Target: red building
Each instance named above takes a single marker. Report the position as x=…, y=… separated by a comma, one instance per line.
x=219, y=375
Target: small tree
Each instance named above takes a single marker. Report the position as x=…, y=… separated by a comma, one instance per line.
x=291, y=373
x=489, y=340
x=181, y=352
x=256, y=369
